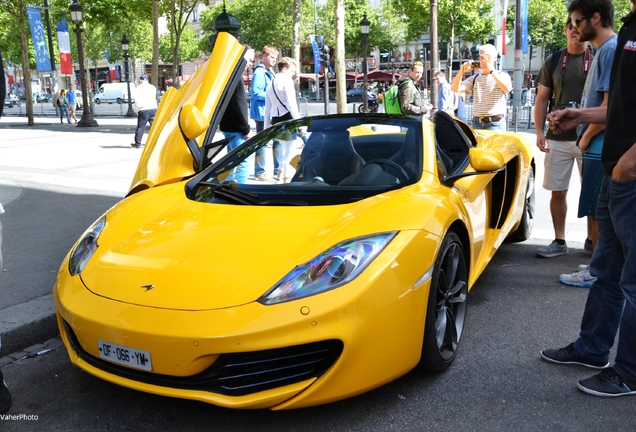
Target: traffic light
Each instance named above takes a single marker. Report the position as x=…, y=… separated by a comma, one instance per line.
x=325, y=56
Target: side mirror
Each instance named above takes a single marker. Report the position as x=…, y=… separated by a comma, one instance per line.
x=485, y=160
x=192, y=121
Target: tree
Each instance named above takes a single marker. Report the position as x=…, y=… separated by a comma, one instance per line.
x=16, y=10
x=177, y=16
x=471, y=20
x=546, y=19
x=188, y=48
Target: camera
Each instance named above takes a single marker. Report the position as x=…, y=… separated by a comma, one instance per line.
x=475, y=65
x=570, y=104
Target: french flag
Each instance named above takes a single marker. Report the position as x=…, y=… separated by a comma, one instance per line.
x=66, y=65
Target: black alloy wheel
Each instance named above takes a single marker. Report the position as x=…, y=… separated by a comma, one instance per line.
x=446, y=311
x=524, y=231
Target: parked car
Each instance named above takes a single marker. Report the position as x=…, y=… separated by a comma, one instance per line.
x=114, y=92
x=11, y=100
x=43, y=97
x=354, y=94
x=78, y=95
x=380, y=234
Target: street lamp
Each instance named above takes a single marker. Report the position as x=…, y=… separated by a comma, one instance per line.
x=77, y=15
x=364, y=29
x=125, y=47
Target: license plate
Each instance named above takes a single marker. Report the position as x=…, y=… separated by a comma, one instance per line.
x=123, y=355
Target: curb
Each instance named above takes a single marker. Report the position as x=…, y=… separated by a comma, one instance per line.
x=27, y=324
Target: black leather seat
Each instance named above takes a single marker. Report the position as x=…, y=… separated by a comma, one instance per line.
x=408, y=157
x=336, y=160
x=311, y=149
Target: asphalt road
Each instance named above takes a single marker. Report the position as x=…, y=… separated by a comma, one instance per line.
x=65, y=178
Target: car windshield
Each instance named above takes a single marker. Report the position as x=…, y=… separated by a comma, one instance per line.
x=324, y=160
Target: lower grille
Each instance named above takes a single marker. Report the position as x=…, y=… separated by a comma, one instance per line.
x=236, y=374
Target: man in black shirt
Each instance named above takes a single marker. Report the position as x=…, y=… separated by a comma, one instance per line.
x=612, y=299
x=235, y=124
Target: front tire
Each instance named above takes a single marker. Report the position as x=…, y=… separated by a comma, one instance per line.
x=446, y=309
x=524, y=231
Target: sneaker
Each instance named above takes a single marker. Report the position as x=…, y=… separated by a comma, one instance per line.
x=580, y=278
x=607, y=384
x=5, y=398
x=552, y=250
x=568, y=356
x=263, y=177
x=588, y=246
x=135, y=145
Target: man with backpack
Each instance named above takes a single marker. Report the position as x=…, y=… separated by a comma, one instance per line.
x=561, y=81
x=405, y=97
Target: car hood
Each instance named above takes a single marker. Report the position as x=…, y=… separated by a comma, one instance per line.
x=190, y=255
x=187, y=119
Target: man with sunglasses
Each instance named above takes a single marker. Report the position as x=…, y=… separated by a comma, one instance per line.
x=611, y=301
x=561, y=81
x=593, y=20
x=489, y=87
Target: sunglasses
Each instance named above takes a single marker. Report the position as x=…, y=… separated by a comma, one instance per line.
x=577, y=21
x=418, y=63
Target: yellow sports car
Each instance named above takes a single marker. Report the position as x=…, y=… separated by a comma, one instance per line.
x=345, y=272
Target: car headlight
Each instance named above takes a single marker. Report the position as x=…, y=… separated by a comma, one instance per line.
x=86, y=247
x=331, y=269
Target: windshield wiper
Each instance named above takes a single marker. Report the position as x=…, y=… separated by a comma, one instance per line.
x=229, y=192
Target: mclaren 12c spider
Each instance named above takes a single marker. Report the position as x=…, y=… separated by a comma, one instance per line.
x=350, y=270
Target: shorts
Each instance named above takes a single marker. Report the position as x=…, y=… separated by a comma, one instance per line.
x=558, y=164
x=592, y=177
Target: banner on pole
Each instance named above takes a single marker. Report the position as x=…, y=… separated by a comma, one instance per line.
x=316, y=45
x=66, y=64
x=524, y=26
x=42, y=58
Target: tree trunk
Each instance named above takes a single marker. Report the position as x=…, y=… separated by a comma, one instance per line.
x=26, y=69
x=155, y=44
x=296, y=43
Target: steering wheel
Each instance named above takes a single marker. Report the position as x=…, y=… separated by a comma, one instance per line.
x=402, y=176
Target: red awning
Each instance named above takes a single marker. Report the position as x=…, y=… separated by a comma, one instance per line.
x=382, y=75
x=180, y=78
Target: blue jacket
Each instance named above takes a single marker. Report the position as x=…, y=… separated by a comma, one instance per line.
x=260, y=80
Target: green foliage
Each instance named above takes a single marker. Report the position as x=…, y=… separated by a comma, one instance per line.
x=270, y=22
x=470, y=20
x=546, y=19
x=188, y=46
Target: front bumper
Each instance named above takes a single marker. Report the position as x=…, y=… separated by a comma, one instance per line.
x=306, y=352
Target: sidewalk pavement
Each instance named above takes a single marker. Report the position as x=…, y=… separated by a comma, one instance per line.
x=55, y=181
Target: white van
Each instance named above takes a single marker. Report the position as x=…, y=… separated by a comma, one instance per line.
x=114, y=92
